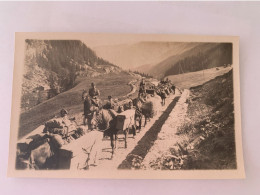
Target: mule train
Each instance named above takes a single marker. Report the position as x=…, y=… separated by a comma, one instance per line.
x=124, y=121
x=61, y=141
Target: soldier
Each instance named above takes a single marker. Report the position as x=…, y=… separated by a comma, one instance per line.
x=110, y=103
x=163, y=96
x=66, y=122
x=142, y=88
x=93, y=91
x=94, y=94
x=173, y=89
x=88, y=113
x=138, y=113
x=91, y=104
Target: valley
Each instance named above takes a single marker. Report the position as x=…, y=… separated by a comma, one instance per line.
x=178, y=137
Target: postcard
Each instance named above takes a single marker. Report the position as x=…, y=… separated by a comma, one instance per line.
x=126, y=106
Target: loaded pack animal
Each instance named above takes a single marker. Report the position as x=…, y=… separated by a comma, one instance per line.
x=90, y=106
x=150, y=92
x=109, y=122
x=100, y=118
x=145, y=108
x=173, y=88
x=162, y=94
x=113, y=123
x=142, y=88
x=40, y=153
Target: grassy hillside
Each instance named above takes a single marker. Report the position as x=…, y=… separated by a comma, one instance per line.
x=52, y=67
x=114, y=84
x=202, y=56
x=192, y=79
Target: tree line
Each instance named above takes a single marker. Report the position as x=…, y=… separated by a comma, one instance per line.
x=142, y=74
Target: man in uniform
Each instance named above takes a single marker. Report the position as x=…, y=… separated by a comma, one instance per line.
x=93, y=91
x=138, y=113
x=110, y=103
x=67, y=122
x=142, y=88
x=90, y=99
x=94, y=94
x=173, y=89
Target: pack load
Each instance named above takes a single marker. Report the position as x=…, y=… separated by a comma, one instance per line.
x=125, y=119
x=53, y=126
x=151, y=92
x=149, y=109
x=57, y=140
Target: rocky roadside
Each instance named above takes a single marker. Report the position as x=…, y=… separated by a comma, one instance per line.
x=167, y=138
x=202, y=137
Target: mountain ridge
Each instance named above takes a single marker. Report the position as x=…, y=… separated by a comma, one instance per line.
x=52, y=67
x=202, y=56
x=130, y=56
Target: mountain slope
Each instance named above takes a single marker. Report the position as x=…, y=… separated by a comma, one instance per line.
x=202, y=56
x=192, y=79
x=205, y=137
x=52, y=67
x=71, y=99
x=211, y=117
x=131, y=56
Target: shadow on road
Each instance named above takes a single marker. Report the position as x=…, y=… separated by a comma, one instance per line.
x=147, y=141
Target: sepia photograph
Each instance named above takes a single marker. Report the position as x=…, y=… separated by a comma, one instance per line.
x=154, y=106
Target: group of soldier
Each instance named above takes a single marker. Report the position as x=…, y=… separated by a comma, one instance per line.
x=93, y=97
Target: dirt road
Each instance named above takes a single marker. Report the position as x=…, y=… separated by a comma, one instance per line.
x=106, y=163
x=167, y=136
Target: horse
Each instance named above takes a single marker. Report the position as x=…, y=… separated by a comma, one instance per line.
x=106, y=121
x=143, y=110
x=90, y=106
x=173, y=88
x=162, y=94
x=40, y=153
x=150, y=92
x=138, y=103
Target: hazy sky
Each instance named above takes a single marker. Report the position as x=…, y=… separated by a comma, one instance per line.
x=95, y=40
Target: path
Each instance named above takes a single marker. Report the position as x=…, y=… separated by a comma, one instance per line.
x=167, y=136
x=121, y=153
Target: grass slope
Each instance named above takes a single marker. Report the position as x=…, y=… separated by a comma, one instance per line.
x=212, y=51
x=192, y=79
x=114, y=84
